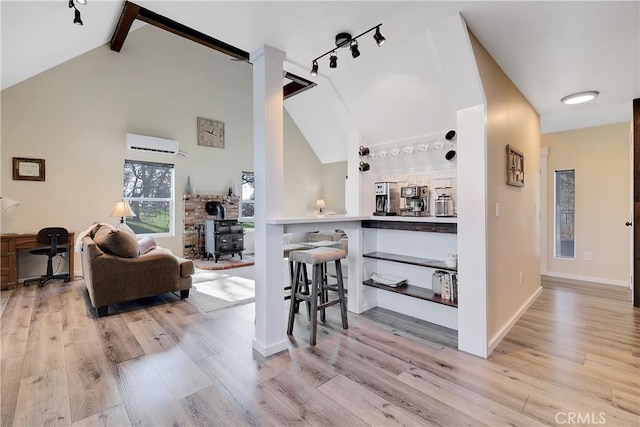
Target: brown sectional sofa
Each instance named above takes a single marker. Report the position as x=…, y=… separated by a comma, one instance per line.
x=114, y=279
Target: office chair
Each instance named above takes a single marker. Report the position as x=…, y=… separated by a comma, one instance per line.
x=52, y=236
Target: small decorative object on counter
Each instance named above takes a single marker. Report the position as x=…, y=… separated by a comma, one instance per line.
x=451, y=260
x=438, y=280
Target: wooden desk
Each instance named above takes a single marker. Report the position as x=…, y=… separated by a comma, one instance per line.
x=11, y=243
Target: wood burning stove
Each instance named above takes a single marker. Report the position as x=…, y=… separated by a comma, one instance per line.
x=223, y=237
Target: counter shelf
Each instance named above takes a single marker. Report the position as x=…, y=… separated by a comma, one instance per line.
x=413, y=291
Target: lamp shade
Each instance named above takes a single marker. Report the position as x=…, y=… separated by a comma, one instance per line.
x=122, y=209
x=8, y=204
x=320, y=203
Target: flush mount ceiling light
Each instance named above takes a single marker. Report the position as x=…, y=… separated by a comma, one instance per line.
x=579, y=98
x=77, y=19
x=344, y=40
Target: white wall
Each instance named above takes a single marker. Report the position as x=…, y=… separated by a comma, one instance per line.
x=601, y=158
x=513, y=263
x=75, y=117
x=302, y=173
x=333, y=186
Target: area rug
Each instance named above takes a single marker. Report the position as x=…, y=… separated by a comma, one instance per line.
x=214, y=291
x=225, y=263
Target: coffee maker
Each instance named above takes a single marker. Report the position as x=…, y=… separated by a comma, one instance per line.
x=386, y=199
x=416, y=200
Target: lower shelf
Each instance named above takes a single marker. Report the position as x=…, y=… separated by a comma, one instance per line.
x=413, y=291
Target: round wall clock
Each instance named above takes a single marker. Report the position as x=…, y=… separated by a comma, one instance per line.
x=210, y=133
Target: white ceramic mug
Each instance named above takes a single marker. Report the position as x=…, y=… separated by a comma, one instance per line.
x=451, y=260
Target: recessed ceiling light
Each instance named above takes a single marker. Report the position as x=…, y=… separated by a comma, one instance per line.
x=579, y=98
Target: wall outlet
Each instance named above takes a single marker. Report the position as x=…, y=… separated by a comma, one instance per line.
x=521, y=277
x=587, y=256
x=497, y=210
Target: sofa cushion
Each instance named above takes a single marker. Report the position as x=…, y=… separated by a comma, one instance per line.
x=117, y=242
x=146, y=244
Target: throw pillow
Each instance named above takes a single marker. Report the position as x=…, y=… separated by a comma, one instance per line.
x=117, y=242
x=97, y=226
x=146, y=244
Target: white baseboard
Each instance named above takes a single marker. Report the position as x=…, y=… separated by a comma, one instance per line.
x=493, y=343
x=269, y=350
x=599, y=280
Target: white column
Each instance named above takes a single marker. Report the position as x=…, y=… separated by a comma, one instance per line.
x=270, y=329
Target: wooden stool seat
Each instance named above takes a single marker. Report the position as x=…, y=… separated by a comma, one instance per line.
x=317, y=257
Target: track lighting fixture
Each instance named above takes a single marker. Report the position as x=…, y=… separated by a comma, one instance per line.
x=333, y=60
x=77, y=19
x=344, y=40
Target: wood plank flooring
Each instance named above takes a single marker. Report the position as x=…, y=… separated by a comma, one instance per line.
x=573, y=358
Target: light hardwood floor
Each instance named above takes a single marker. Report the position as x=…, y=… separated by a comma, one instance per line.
x=573, y=358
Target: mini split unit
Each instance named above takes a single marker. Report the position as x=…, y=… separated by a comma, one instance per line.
x=153, y=144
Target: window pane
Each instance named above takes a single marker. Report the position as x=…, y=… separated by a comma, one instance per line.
x=248, y=195
x=149, y=189
x=151, y=217
x=565, y=214
x=147, y=179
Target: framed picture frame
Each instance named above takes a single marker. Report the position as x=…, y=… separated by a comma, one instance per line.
x=26, y=169
x=515, y=167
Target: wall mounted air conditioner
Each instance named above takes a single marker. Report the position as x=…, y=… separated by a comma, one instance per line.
x=151, y=143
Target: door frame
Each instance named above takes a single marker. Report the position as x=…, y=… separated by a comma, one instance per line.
x=636, y=201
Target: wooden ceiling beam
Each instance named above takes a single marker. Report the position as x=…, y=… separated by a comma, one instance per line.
x=128, y=15
x=131, y=12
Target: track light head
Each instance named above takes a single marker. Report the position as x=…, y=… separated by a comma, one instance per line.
x=333, y=60
x=77, y=19
x=314, y=68
x=71, y=4
x=355, y=52
x=379, y=38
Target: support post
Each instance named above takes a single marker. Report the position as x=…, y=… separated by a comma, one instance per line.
x=268, y=136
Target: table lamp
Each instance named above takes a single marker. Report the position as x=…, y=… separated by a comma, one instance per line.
x=320, y=206
x=8, y=204
x=123, y=210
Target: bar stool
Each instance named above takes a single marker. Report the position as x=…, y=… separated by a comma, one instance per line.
x=286, y=252
x=318, y=258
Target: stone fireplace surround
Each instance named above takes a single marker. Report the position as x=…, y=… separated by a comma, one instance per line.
x=194, y=216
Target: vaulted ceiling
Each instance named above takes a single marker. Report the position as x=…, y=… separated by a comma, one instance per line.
x=549, y=49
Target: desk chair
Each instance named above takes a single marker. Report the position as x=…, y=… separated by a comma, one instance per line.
x=52, y=236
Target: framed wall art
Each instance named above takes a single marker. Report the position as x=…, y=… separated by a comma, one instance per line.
x=25, y=169
x=515, y=167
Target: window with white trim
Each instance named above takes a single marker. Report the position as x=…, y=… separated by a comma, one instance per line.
x=565, y=218
x=247, y=200
x=149, y=189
